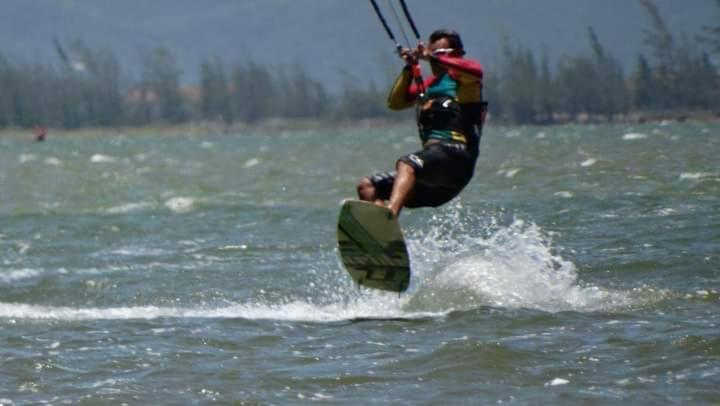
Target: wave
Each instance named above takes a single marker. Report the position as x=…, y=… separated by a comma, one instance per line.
x=696, y=175
x=10, y=276
x=461, y=261
x=298, y=311
x=634, y=136
x=180, y=204
x=102, y=159
x=130, y=207
x=515, y=266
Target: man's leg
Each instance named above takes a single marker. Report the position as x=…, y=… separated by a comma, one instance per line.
x=366, y=191
x=403, y=187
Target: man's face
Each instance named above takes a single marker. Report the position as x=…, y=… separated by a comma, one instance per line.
x=436, y=48
x=440, y=44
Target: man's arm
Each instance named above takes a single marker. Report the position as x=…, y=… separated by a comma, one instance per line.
x=462, y=65
x=404, y=92
x=400, y=96
x=466, y=71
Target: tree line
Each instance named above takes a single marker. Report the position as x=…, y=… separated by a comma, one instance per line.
x=89, y=89
x=678, y=74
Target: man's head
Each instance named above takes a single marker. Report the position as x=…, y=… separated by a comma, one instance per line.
x=441, y=40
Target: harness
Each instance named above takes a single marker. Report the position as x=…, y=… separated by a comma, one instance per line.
x=440, y=116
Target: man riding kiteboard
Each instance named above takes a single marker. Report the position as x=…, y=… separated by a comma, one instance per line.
x=450, y=116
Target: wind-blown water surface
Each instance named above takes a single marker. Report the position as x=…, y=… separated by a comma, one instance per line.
x=579, y=266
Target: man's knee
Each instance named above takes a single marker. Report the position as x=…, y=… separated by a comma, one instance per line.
x=405, y=168
x=366, y=189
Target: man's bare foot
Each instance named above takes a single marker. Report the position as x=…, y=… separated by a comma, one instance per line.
x=394, y=211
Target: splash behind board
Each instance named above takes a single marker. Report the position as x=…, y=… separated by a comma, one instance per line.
x=372, y=246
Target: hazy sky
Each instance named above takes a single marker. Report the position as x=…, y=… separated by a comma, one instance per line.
x=329, y=36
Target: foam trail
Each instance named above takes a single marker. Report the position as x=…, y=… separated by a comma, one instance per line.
x=130, y=207
x=18, y=274
x=294, y=311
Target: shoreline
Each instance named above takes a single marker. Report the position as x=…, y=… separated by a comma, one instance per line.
x=297, y=125
x=213, y=128
x=642, y=117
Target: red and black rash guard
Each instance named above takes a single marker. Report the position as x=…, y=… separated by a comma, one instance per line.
x=461, y=84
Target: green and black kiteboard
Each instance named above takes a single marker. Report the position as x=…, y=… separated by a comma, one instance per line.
x=372, y=247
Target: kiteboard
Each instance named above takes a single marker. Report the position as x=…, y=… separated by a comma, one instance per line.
x=372, y=247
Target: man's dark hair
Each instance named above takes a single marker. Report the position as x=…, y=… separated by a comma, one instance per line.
x=452, y=37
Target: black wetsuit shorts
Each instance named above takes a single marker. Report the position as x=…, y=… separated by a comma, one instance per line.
x=442, y=170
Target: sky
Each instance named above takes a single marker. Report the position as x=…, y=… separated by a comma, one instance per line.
x=334, y=40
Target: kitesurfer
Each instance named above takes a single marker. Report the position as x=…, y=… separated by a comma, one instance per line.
x=40, y=133
x=450, y=116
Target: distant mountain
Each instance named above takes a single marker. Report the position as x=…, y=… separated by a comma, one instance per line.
x=334, y=40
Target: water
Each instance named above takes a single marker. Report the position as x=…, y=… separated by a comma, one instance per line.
x=579, y=266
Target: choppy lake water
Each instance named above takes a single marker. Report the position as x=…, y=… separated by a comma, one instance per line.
x=581, y=266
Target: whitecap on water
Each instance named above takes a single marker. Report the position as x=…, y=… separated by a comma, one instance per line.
x=233, y=247
x=588, y=162
x=508, y=173
x=129, y=207
x=564, y=193
x=100, y=158
x=557, y=381
x=695, y=175
x=634, y=136
x=24, y=158
x=180, y=204
x=18, y=274
x=665, y=211
x=138, y=251
x=52, y=161
x=251, y=162
x=23, y=247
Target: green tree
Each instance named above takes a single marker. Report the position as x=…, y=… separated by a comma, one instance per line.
x=99, y=72
x=493, y=94
x=576, y=89
x=161, y=84
x=7, y=92
x=711, y=35
x=659, y=38
x=520, y=83
x=662, y=46
x=254, y=96
x=303, y=96
x=611, y=94
x=547, y=96
x=357, y=102
x=214, y=87
x=643, y=85
x=698, y=85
